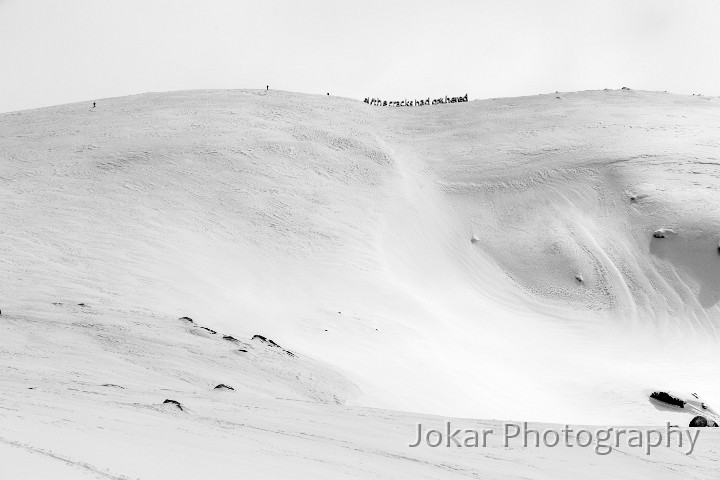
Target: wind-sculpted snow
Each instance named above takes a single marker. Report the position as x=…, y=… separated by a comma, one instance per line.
x=491, y=259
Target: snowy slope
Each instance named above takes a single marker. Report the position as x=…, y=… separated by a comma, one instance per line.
x=343, y=233
x=83, y=398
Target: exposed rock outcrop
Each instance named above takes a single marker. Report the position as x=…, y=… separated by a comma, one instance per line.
x=174, y=402
x=269, y=342
x=701, y=421
x=666, y=398
x=662, y=232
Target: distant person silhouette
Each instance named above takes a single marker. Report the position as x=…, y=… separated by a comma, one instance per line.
x=93, y=104
x=267, y=87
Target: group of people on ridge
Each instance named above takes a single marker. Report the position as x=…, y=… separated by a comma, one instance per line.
x=414, y=103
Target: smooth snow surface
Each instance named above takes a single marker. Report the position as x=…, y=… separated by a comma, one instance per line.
x=492, y=259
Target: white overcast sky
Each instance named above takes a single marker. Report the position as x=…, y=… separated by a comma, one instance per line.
x=61, y=51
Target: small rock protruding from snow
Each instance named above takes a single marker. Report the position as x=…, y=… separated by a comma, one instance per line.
x=230, y=338
x=662, y=232
x=719, y=247
x=474, y=239
x=579, y=278
x=222, y=386
x=265, y=340
x=701, y=421
x=187, y=319
x=668, y=399
x=174, y=402
x=209, y=330
x=268, y=341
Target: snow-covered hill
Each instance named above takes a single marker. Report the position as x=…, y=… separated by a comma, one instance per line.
x=492, y=259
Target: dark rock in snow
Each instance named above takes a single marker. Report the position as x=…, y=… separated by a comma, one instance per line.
x=265, y=340
x=187, y=319
x=273, y=344
x=667, y=398
x=173, y=402
x=209, y=330
x=230, y=338
x=662, y=232
x=222, y=386
x=699, y=421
